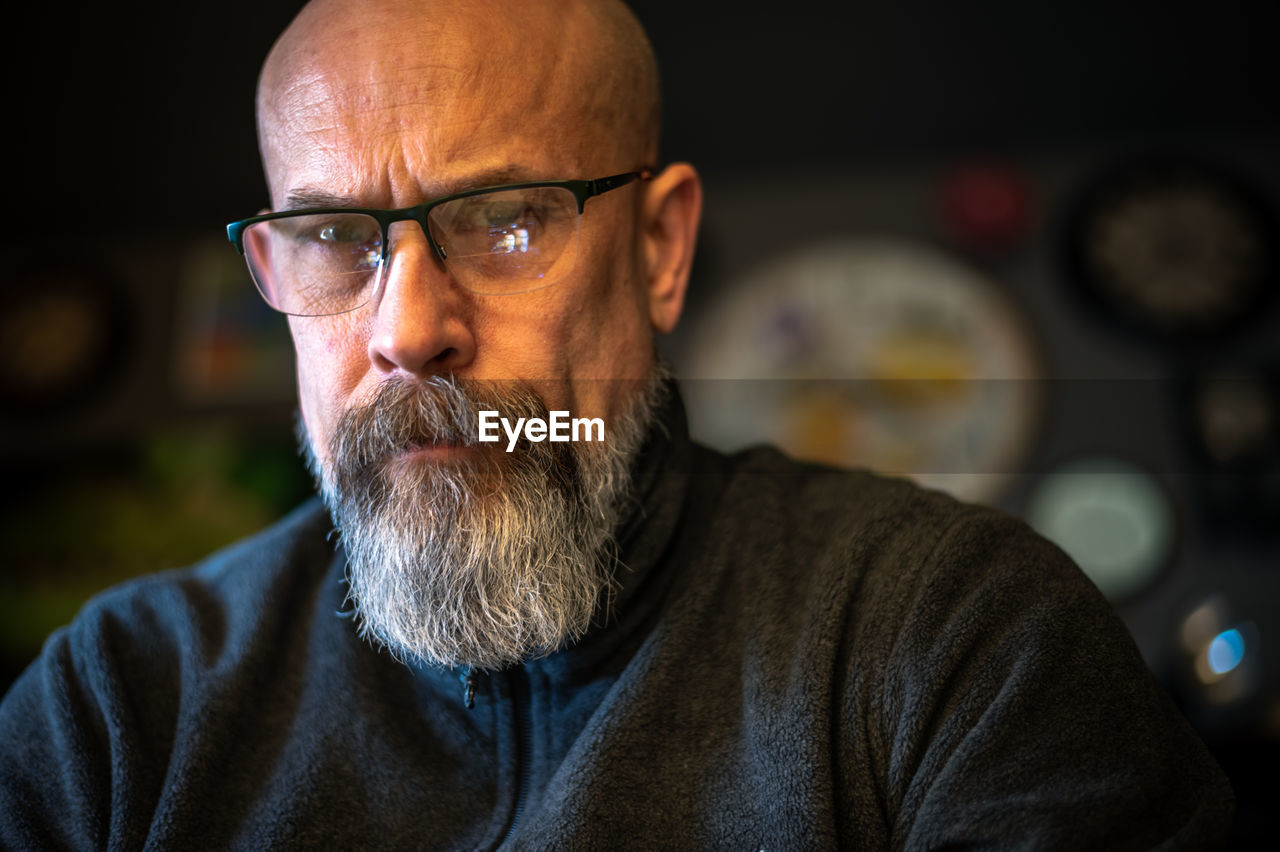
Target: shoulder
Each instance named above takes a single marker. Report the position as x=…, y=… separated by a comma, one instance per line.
x=917, y=581
x=875, y=538
x=869, y=575
x=201, y=608
x=807, y=496
x=153, y=634
x=87, y=731
x=966, y=657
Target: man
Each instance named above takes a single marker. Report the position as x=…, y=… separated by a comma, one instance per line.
x=626, y=642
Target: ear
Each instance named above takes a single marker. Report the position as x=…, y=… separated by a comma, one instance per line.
x=671, y=209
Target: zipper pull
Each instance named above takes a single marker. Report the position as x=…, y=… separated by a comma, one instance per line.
x=468, y=678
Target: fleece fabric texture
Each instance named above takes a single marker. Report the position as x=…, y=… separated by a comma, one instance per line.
x=799, y=658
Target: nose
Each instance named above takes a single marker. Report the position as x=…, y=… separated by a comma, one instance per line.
x=422, y=320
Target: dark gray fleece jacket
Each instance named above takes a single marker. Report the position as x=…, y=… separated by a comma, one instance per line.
x=800, y=658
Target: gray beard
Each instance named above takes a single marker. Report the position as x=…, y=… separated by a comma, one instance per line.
x=486, y=561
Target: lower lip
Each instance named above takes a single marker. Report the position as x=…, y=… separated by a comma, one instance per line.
x=437, y=453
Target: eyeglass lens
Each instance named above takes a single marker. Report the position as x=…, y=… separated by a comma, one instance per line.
x=508, y=241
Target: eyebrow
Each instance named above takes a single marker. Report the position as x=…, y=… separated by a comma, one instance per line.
x=306, y=198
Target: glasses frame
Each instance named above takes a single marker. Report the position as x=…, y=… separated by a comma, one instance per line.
x=582, y=190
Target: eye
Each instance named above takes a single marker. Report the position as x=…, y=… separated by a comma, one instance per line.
x=514, y=225
x=497, y=226
x=500, y=214
x=351, y=243
x=342, y=232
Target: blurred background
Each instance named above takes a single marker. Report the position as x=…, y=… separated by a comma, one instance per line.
x=1023, y=252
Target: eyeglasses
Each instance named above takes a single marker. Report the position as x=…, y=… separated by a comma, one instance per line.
x=500, y=239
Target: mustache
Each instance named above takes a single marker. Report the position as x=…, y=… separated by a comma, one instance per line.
x=403, y=415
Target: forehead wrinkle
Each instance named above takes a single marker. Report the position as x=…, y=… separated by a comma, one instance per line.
x=321, y=96
x=392, y=175
x=315, y=144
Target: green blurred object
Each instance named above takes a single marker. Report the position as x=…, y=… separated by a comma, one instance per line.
x=1112, y=517
x=181, y=496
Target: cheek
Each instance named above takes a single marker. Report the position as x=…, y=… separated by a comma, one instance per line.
x=582, y=328
x=612, y=331
x=331, y=359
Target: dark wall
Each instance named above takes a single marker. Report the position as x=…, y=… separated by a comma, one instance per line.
x=146, y=106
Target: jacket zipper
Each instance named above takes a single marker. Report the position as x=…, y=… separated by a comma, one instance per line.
x=519, y=681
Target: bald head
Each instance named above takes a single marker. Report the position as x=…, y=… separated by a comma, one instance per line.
x=576, y=74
